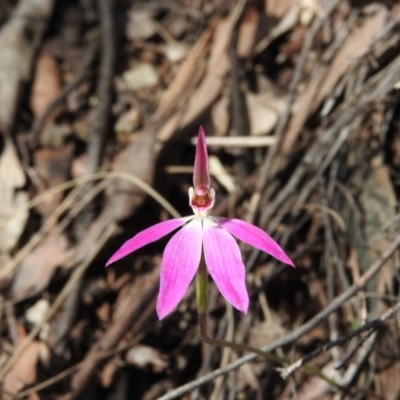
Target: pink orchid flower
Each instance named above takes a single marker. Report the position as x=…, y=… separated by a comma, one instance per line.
x=202, y=234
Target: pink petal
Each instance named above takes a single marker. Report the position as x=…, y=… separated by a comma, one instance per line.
x=201, y=175
x=225, y=265
x=254, y=236
x=180, y=262
x=147, y=236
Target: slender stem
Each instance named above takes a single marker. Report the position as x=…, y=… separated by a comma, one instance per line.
x=202, y=300
x=233, y=345
x=202, y=288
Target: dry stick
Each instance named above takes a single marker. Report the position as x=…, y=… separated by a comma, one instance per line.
x=334, y=248
x=362, y=355
x=351, y=350
x=226, y=353
x=328, y=260
x=295, y=335
x=99, y=128
x=372, y=325
x=101, y=115
x=75, y=277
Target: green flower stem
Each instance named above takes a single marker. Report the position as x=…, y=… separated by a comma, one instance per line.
x=202, y=301
x=202, y=288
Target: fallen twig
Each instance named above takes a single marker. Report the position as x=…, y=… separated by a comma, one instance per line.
x=370, y=326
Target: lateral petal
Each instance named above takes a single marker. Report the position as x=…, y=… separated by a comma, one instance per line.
x=254, y=236
x=224, y=262
x=147, y=236
x=180, y=262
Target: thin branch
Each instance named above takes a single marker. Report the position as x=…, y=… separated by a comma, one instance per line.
x=370, y=326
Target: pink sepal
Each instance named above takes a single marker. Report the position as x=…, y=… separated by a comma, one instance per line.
x=224, y=262
x=254, y=236
x=147, y=236
x=179, y=264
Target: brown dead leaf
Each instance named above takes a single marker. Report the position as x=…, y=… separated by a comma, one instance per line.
x=12, y=178
x=207, y=92
x=53, y=168
x=39, y=266
x=287, y=22
x=247, y=377
x=139, y=287
x=247, y=33
x=103, y=312
x=220, y=115
x=139, y=160
x=267, y=331
x=141, y=76
x=142, y=356
x=17, y=51
x=140, y=24
x=278, y=8
x=46, y=85
x=262, y=116
x=301, y=111
x=23, y=372
x=378, y=201
x=108, y=372
x=387, y=382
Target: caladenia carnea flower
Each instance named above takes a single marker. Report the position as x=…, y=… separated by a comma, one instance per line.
x=202, y=240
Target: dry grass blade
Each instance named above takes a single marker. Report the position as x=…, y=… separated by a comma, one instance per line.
x=9, y=268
